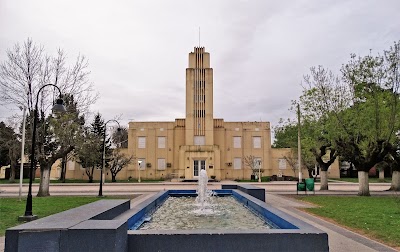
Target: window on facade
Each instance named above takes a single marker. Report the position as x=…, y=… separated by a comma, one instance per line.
x=71, y=165
x=161, y=142
x=199, y=140
x=237, y=163
x=199, y=113
x=142, y=165
x=257, y=162
x=199, y=98
x=282, y=164
x=237, y=142
x=141, y=142
x=161, y=164
x=256, y=142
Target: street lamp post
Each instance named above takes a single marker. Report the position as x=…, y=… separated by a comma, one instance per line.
x=259, y=170
x=104, y=155
x=21, y=169
x=139, y=166
x=58, y=107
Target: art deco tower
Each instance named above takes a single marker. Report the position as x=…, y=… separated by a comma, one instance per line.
x=199, y=99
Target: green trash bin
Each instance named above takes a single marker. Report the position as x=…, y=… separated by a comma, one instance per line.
x=310, y=184
x=301, y=186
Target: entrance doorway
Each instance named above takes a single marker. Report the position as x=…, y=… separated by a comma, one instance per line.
x=197, y=165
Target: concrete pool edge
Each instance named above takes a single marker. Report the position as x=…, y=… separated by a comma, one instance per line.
x=102, y=226
x=299, y=235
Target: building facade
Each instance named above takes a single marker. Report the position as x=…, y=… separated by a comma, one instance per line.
x=183, y=147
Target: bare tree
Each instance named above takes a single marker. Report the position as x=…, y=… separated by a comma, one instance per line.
x=292, y=160
x=25, y=71
x=251, y=162
x=118, y=161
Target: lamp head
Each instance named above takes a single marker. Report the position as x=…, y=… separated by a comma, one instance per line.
x=59, y=106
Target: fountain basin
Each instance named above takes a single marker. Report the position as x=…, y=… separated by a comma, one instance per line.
x=290, y=234
x=103, y=226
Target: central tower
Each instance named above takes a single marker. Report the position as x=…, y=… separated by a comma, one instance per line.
x=199, y=99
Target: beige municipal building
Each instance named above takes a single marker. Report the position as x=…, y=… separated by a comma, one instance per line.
x=183, y=147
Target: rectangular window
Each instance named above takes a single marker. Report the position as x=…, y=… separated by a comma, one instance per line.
x=161, y=164
x=257, y=163
x=282, y=163
x=71, y=165
x=161, y=142
x=142, y=164
x=141, y=142
x=237, y=142
x=199, y=140
x=256, y=142
x=237, y=163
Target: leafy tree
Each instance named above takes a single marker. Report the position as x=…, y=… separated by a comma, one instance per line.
x=10, y=148
x=91, y=153
x=358, y=111
x=87, y=155
x=286, y=136
x=56, y=139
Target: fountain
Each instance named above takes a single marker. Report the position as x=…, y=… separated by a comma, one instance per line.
x=202, y=193
x=112, y=225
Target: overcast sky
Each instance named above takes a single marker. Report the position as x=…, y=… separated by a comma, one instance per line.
x=138, y=50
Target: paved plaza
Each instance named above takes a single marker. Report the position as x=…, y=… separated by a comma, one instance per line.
x=340, y=239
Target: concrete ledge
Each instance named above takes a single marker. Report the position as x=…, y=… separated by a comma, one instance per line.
x=252, y=190
x=52, y=233
x=212, y=240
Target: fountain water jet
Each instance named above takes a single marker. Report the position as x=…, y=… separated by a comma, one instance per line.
x=203, y=195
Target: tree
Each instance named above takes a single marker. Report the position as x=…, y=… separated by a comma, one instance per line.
x=118, y=161
x=394, y=162
x=286, y=136
x=10, y=148
x=359, y=111
x=91, y=152
x=87, y=156
x=25, y=71
x=252, y=162
x=56, y=139
x=325, y=158
x=120, y=138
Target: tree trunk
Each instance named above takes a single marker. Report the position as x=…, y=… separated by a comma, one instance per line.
x=44, y=182
x=363, y=185
x=324, y=180
x=12, y=171
x=90, y=178
x=63, y=169
x=381, y=175
x=113, y=178
x=395, y=186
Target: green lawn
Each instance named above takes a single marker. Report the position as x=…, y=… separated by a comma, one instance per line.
x=377, y=217
x=11, y=208
x=371, y=180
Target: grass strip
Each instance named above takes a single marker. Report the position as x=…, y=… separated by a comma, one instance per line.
x=11, y=208
x=376, y=217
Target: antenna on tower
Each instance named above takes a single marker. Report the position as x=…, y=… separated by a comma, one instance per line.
x=199, y=36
